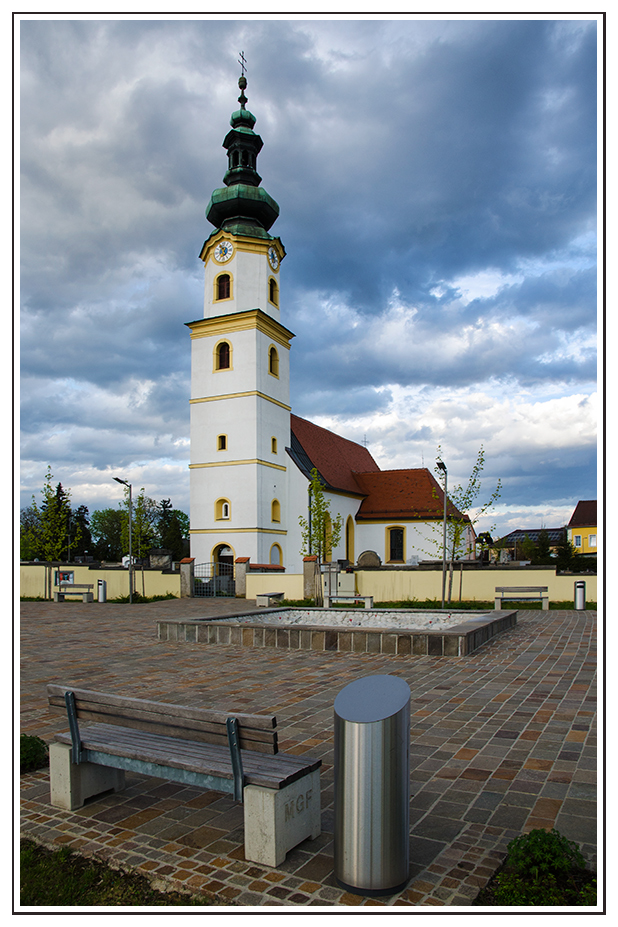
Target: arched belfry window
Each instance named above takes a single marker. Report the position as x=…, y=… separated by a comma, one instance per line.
x=273, y=291
x=275, y=514
x=223, y=356
x=273, y=362
x=224, y=286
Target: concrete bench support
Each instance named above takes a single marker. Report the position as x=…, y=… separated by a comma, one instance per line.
x=277, y=820
x=72, y=784
x=268, y=598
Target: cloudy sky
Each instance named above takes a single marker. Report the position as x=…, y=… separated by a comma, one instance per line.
x=437, y=181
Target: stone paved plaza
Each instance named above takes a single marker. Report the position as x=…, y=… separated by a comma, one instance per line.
x=502, y=741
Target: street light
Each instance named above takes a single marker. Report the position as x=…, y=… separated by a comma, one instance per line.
x=442, y=466
x=124, y=483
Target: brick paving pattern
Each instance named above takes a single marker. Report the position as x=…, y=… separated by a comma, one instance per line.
x=502, y=741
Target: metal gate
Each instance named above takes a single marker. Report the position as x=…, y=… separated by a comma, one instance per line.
x=210, y=579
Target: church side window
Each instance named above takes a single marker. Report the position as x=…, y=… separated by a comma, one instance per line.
x=223, y=286
x=223, y=355
x=275, y=514
x=396, y=545
x=273, y=362
x=223, y=509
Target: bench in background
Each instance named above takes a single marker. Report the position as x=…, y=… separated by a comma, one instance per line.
x=83, y=589
x=520, y=593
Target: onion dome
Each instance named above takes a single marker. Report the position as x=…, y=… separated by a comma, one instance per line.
x=242, y=206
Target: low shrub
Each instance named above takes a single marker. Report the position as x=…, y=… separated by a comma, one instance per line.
x=33, y=753
x=542, y=869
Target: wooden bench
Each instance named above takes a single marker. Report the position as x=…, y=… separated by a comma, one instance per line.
x=269, y=598
x=83, y=589
x=211, y=749
x=520, y=593
x=367, y=599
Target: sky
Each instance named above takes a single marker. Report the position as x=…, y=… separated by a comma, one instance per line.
x=437, y=181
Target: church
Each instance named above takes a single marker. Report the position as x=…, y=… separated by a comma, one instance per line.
x=251, y=457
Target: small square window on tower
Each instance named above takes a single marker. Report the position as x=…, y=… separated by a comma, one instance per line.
x=222, y=442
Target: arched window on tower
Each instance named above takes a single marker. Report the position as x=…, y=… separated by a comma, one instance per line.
x=273, y=362
x=223, y=509
x=223, y=356
x=224, y=288
x=273, y=291
x=275, y=514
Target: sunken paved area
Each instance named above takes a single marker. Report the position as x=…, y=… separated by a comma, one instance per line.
x=502, y=741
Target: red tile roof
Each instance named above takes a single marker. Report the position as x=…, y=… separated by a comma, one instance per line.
x=407, y=494
x=585, y=514
x=336, y=459
x=349, y=467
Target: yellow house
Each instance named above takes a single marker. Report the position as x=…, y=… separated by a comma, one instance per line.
x=582, y=528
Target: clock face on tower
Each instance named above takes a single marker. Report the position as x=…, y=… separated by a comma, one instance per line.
x=273, y=258
x=224, y=251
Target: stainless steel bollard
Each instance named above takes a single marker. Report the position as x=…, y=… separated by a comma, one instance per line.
x=372, y=785
x=580, y=594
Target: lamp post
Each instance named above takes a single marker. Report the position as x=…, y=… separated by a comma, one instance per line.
x=124, y=483
x=442, y=466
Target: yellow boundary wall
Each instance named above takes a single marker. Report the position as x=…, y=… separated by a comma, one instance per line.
x=400, y=585
x=33, y=578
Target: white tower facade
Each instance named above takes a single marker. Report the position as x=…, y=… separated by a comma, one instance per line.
x=240, y=371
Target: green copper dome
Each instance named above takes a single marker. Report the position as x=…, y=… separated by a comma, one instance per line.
x=242, y=206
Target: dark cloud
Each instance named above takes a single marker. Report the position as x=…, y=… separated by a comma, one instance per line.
x=413, y=161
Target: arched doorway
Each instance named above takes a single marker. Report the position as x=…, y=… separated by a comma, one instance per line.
x=223, y=554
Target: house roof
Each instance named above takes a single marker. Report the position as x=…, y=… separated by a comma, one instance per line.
x=402, y=494
x=585, y=514
x=555, y=535
x=336, y=459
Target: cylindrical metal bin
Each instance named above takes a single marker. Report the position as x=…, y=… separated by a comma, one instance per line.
x=580, y=594
x=372, y=785
x=102, y=590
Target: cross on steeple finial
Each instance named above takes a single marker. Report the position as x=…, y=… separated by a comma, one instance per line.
x=242, y=80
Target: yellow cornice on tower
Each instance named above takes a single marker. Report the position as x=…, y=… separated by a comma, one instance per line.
x=241, y=321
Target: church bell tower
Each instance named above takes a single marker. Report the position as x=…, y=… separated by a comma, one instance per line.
x=240, y=384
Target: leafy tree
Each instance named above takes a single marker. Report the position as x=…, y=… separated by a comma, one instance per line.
x=566, y=552
x=320, y=534
x=527, y=549
x=542, y=554
x=29, y=531
x=144, y=528
x=464, y=499
x=46, y=533
x=174, y=533
x=106, y=528
x=461, y=514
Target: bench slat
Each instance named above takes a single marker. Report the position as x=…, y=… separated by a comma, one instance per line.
x=260, y=769
x=262, y=741
x=258, y=722
x=521, y=588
